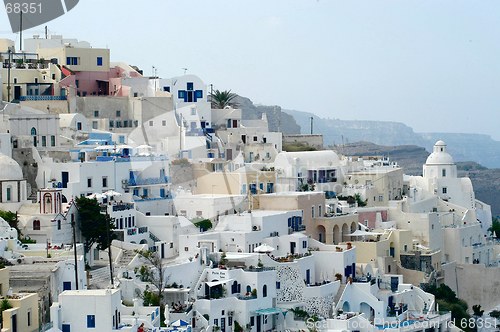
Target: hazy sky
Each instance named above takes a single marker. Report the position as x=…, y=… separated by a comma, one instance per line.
x=434, y=65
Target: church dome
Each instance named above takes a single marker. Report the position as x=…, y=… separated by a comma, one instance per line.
x=439, y=156
x=10, y=169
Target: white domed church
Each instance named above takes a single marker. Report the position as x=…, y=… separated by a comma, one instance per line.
x=13, y=187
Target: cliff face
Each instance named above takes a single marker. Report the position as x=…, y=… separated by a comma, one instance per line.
x=463, y=147
x=278, y=120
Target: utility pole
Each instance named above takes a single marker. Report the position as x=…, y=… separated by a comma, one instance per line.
x=109, y=249
x=8, y=75
x=74, y=249
x=20, y=30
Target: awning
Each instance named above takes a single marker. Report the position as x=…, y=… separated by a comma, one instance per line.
x=215, y=283
x=269, y=311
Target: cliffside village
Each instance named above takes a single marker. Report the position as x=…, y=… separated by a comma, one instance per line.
x=210, y=212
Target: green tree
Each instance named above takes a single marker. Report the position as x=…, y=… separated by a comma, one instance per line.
x=204, y=224
x=11, y=219
x=495, y=228
x=94, y=225
x=154, y=272
x=221, y=99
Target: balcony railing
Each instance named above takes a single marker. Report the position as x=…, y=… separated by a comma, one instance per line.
x=123, y=207
x=148, y=181
x=43, y=98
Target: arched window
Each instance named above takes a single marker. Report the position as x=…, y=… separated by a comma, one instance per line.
x=264, y=291
x=36, y=225
x=33, y=131
x=249, y=289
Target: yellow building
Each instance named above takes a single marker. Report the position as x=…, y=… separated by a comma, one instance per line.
x=23, y=314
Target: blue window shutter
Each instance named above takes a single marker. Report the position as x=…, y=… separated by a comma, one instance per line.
x=66, y=328
x=190, y=86
x=68, y=60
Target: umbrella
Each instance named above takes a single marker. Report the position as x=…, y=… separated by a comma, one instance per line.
x=96, y=196
x=264, y=248
x=112, y=193
x=179, y=323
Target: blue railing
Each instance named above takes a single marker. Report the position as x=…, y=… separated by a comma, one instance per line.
x=37, y=98
x=148, y=181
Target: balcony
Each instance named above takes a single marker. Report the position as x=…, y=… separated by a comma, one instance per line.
x=41, y=98
x=123, y=207
x=148, y=181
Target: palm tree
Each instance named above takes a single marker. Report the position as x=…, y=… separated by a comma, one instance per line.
x=221, y=99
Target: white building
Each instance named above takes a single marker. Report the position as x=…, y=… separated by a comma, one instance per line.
x=13, y=186
x=317, y=170
x=100, y=309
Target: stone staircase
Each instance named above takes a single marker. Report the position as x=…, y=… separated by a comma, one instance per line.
x=153, y=237
x=99, y=278
x=126, y=258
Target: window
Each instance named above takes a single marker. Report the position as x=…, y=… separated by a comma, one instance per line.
x=66, y=328
x=264, y=291
x=193, y=111
x=72, y=61
x=319, y=211
x=9, y=194
x=255, y=138
x=304, y=244
x=77, y=83
x=265, y=319
x=78, y=126
x=151, y=123
x=312, y=211
x=252, y=321
x=278, y=285
x=36, y=225
x=89, y=182
x=53, y=76
x=104, y=181
x=111, y=123
x=443, y=172
x=190, y=86
x=216, y=322
x=445, y=190
x=381, y=198
x=36, y=80
x=90, y=321
x=96, y=114
x=44, y=141
x=166, y=88
x=99, y=61
x=52, y=140
x=29, y=317
x=118, y=114
x=59, y=225
x=94, y=124
x=15, y=80
x=164, y=123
